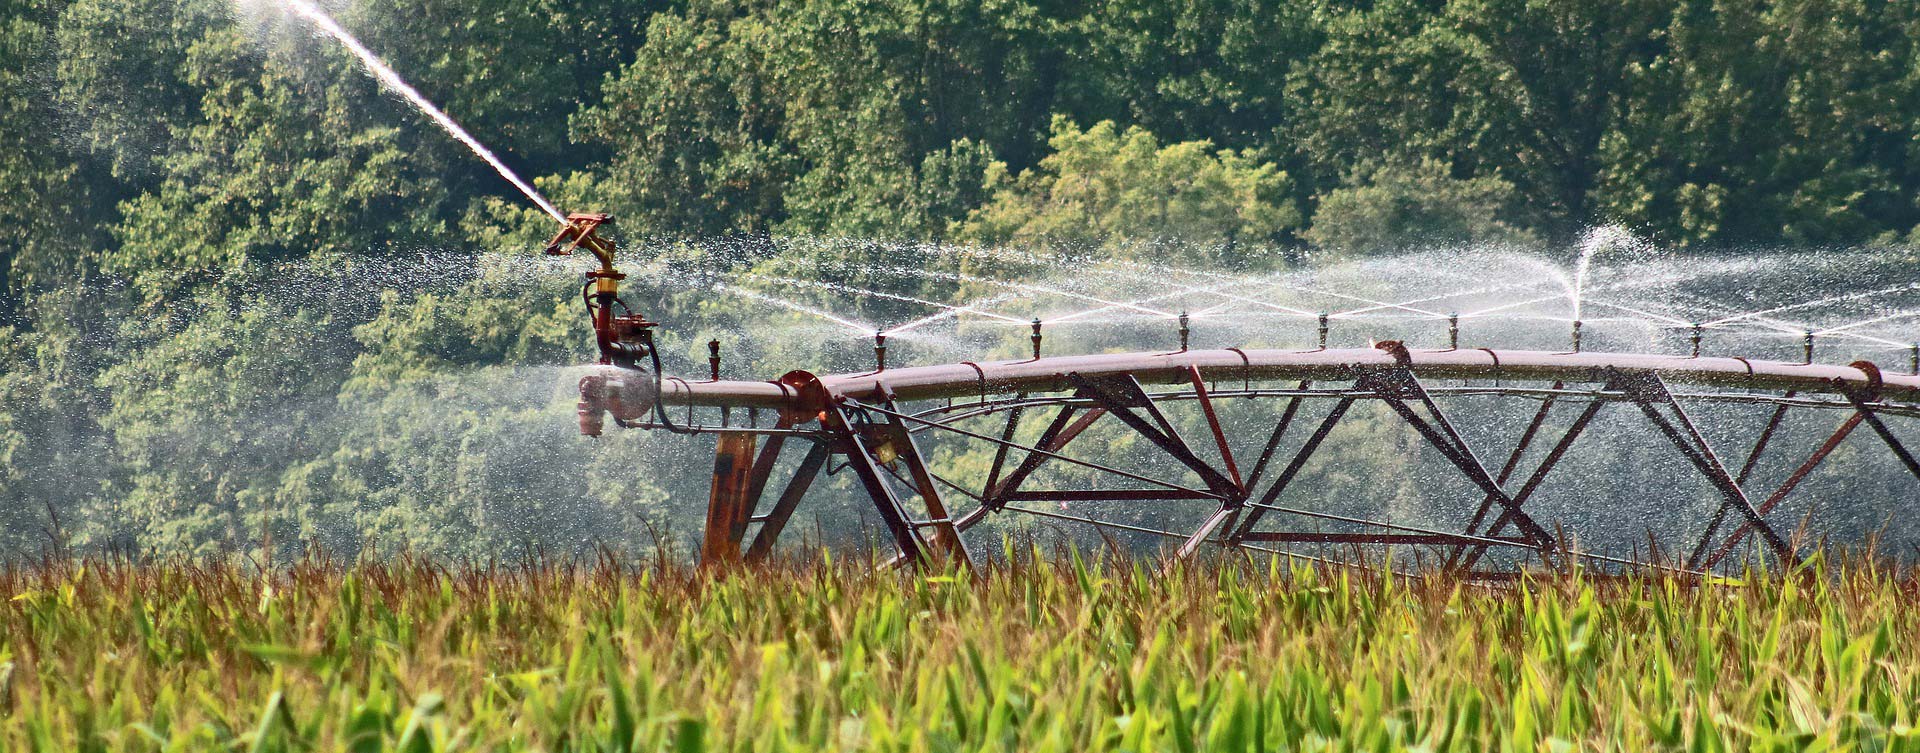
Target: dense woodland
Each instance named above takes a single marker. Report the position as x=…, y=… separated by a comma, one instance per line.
x=164, y=164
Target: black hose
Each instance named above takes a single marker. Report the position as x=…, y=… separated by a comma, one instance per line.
x=659, y=394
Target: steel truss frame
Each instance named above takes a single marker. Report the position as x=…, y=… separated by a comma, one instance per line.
x=870, y=433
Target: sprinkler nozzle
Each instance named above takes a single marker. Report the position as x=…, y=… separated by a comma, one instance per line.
x=1453, y=331
x=1323, y=330
x=1576, y=334
x=1698, y=333
x=1036, y=338
x=1806, y=346
x=1185, y=331
x=879, y=351
x=713, y=359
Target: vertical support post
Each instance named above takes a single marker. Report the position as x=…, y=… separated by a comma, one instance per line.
x=728, y=503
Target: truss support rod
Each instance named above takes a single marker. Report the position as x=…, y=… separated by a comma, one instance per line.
x=1213, y=422
x=1787, y=487
x=906, y=536
x=1886, y=435
x=1040, y=451
x=776, y=519
x=1533, y=482
x=1649, y=391
x=1159, y=431
x=1000, y=451
x=1393, y=387
x=1056, y=437
x=1457, y=537
x=1293, y=468
x=1746, y=470
x=1513, y=460
x=945, y=535
x=1279, y=431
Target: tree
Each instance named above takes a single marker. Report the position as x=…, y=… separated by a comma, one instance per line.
x=1522, y=89
x=1784, y=123
x=1403, y=206
x=1113, y=189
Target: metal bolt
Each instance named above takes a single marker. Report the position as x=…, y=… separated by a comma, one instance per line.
x=879, y=351
x=1036, y=338
x=1185, y=331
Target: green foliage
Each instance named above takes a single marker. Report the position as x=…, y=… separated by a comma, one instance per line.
x=1054, y=653
x=1108, y=188
x=1414, y=205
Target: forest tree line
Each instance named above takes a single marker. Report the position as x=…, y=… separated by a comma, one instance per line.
x=164, y=161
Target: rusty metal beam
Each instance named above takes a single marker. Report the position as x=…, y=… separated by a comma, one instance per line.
x=1213, y=422
x=776, y=519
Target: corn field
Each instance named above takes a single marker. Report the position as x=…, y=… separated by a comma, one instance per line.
x=1052, y=652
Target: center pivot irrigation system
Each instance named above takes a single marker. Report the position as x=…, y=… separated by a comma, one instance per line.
x=881, y=423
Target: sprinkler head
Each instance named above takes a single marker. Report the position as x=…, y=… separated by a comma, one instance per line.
x=1453, y=331
x=879, y=351
x=578, y=231
x=1807, y=346
x=1323, y=330
x=713, y=359
x=1185, y=331
x=1576, y=335
x=1036, y=338
x=1698, y=333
